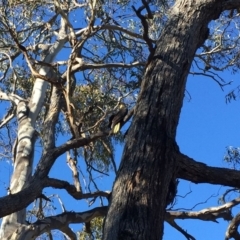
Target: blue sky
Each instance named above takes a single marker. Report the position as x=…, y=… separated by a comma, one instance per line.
x=207, y=126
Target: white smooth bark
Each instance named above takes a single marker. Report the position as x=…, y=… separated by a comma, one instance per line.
x=26, y=135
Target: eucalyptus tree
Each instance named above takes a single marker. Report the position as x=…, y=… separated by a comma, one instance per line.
x=66, y=67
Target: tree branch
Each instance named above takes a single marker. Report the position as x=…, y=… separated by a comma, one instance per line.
x=145, y=25
x=232, y=231
x=177, y=227
x=14, y=98
x=71, y=189
x=49, y=158
x=207, y=214
x=81, y=66
x=51, y=119
x=72, y=163
x=59, y=222
x=198, y=172
x=188, y=169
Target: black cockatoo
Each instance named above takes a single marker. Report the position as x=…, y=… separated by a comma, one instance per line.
x=116, y=120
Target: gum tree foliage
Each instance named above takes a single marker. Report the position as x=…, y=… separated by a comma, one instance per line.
x=65, y=68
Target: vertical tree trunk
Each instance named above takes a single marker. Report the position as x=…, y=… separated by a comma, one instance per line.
x=23, y=156
x=148, y=165
x=23, y=159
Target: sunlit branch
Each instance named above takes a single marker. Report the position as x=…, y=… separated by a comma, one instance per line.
x=67, y=23
x=228, y=64
x=232, y=231
x=78, y=4
x=11, y=97
x=72, y=163
x=208, y=214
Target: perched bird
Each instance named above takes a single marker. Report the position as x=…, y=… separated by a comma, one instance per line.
x=116, y=120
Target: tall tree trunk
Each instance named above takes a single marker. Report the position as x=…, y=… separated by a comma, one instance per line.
x=24, y=150
x=148, y=165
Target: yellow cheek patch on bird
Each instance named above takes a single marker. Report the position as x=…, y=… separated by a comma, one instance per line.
x=116, y=128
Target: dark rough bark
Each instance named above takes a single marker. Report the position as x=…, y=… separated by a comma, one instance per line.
x=198, y=172
x=148, y=165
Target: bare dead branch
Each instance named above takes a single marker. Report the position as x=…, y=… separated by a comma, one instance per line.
x=197, y=204
x=176, y=226
x=145, y=26
x=212, y=77
x=71, y=189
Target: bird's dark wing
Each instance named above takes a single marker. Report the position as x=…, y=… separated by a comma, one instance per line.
x=110, y=120
x=119, y=116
